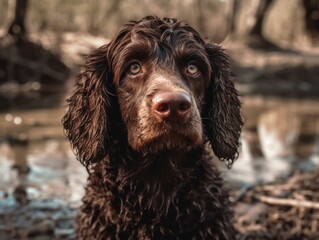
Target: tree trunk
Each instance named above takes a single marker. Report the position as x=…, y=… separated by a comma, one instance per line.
x=200, y=16
x=233, y=16
x=312, y=19
x=256, y=29
x=17, y=28
x=253, y=34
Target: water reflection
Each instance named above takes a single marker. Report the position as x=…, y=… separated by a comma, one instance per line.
x=280, y=135
x=37, y=162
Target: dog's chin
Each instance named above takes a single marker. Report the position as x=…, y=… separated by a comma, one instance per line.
x=167, y=142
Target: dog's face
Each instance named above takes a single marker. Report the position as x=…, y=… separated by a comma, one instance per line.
x=173, y=91
x=160, y=85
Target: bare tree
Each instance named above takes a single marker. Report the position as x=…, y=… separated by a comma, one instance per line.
x=97, y=18
x=17, y=27
x=312, y=19
x=253, y=36
x=256, y=29
x=200, y=16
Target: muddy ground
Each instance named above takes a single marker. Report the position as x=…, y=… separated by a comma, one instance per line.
x=274, y=183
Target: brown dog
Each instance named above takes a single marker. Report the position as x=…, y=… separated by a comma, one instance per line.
x=141, y=114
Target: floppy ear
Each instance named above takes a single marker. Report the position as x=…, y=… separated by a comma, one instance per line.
x=222, y=119
x=85, y=122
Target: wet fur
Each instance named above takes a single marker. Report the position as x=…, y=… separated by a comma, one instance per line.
x=144, y=184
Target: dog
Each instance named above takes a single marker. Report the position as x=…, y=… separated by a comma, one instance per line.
x=147, y=112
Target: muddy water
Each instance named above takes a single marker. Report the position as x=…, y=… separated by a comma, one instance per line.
x=280, y=135
x=41, y=183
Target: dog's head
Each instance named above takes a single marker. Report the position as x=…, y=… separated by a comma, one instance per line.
x=171, y=89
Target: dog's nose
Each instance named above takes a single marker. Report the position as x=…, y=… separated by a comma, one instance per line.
x=171, y=106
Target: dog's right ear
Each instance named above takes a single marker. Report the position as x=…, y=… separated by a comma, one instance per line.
x=85, y=122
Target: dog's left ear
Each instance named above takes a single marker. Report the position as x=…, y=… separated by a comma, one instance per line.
x=221, y=112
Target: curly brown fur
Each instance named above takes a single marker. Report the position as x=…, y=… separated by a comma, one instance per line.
x=152, y=177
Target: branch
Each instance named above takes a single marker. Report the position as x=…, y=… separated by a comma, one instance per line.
x=287, y=202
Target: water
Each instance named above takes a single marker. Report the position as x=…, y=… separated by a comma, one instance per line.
x=35, y=153
x=41, y=183
x=280, y=135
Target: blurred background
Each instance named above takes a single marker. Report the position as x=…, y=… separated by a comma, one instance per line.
x=274, y=46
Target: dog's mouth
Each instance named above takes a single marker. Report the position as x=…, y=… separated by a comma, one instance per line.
x=167, y=137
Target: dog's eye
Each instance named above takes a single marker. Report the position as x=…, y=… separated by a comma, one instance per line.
x=192, y=69
x=135, y=68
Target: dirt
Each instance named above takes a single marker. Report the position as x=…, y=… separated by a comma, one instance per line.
x=38, y=219
x=285, y=210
